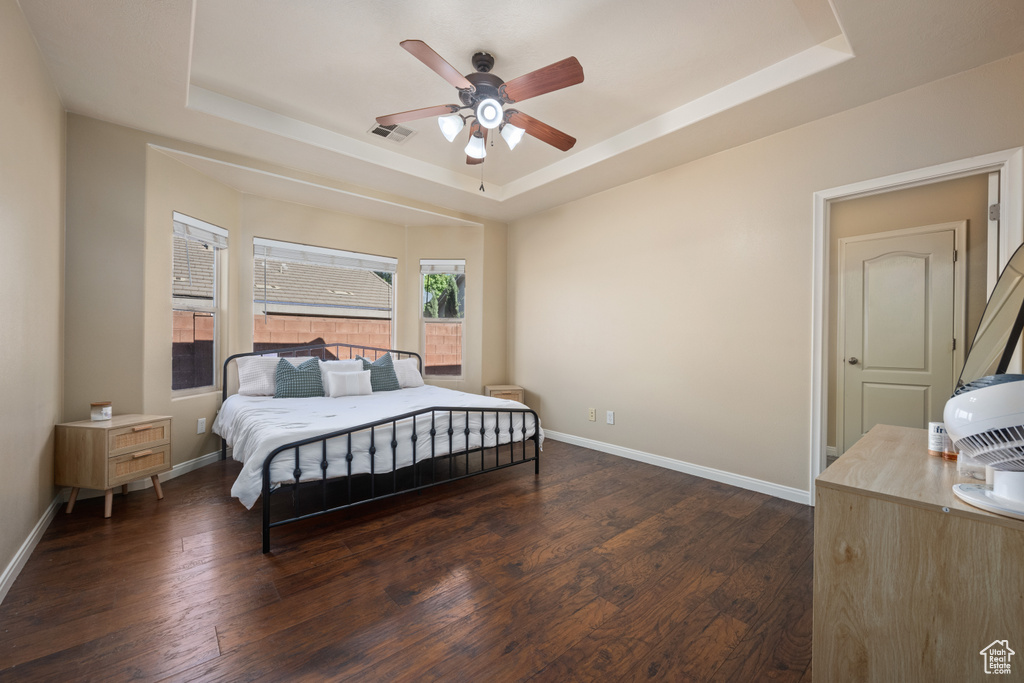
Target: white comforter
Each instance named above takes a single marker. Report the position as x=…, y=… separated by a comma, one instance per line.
x=255, y=425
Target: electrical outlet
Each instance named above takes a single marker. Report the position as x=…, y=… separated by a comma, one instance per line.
x=201, y=425
x=593, y=415
x=611, y=417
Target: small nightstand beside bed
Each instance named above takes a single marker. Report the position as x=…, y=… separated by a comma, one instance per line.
x=363, y=443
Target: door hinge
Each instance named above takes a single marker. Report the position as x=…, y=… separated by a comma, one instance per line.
x=956, y=255
x=954, y=343
x=993, y=212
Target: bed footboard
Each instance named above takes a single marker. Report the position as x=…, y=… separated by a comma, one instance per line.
x=445, y=444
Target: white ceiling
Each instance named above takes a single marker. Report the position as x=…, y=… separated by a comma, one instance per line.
x=298, y=83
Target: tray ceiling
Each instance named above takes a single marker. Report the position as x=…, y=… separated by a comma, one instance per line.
x=298, y=84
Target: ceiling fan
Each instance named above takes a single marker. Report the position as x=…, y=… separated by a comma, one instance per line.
x=486, y=95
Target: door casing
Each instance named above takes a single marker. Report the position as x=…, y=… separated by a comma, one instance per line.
x=1008, y=163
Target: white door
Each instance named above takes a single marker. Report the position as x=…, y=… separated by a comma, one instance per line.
x=896, y=331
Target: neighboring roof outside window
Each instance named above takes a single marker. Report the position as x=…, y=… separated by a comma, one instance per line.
x=193, y=274
x=312, y=289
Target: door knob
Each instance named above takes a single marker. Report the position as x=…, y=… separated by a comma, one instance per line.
x=853, y=360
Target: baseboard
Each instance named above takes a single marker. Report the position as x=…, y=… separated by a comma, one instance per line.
x=749, y=483
x=16, y=564
x=147, y=483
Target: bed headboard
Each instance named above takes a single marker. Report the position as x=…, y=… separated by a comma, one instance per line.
x=322, y=351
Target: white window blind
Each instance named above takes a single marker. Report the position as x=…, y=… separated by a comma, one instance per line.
x=453, y=266
x=301, y=253
x=200, y=231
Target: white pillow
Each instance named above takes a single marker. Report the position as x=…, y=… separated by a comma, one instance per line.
x=256, y=374
x=408, y=373
x=348, y=384
x=329, y=366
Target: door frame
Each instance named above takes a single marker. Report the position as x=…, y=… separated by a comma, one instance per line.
x=1010, y=165
x=959, y=229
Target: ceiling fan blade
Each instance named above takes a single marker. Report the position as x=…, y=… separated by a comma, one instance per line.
x=424, y=53
x=413, y=114
x=542, y=131
x=552, y=77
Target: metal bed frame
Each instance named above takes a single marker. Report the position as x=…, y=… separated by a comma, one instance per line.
x=459, y=466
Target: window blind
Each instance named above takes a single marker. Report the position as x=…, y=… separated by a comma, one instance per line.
x=454, y=266
x=200, y=231
x=301, y=253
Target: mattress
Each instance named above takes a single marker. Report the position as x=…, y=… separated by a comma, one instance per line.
x=254, y=426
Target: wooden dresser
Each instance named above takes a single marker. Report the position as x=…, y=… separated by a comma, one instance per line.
x=107, y=453
x=910, y=583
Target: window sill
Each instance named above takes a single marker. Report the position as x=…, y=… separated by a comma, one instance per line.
x=181, y=394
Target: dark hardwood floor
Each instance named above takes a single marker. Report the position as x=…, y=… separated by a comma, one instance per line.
x=600, y=569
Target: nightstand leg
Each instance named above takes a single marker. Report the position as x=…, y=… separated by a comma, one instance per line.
x=72, y=499
x=124, y=489
x=156, y=485
x=108, y=502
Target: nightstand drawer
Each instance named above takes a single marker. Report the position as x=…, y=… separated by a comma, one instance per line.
x=138, y=437
x=511, y=392
x=510, y=395
x=132, y=466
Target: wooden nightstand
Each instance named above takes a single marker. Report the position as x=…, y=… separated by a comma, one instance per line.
x=107, y=453
x=509, y=391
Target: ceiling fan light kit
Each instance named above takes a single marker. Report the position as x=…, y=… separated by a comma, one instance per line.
x=512, y=134
x=489, y=113
x=451, y=125
x=476, y=147
x=485, y=96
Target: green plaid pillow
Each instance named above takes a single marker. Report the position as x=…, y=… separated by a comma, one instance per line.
x=382, y=373
x=298, y=382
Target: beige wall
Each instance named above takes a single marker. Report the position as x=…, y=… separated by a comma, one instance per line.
x=31, y=277
x=952, y=200
x=494, y=363
x=714, y=260
x=121, y=194
x=105, y=267
x=172, y=186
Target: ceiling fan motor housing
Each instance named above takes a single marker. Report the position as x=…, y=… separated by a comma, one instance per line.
x=483, y=62
x=486, y=86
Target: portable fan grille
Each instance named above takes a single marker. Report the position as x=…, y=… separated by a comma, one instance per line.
x=1001, y=448
x=985, y=421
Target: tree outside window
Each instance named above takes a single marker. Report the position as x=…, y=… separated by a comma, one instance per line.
x=443, y=313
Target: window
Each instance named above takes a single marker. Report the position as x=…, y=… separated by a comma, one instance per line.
x=197, y=246
x=313, y=295
x=444, y=309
